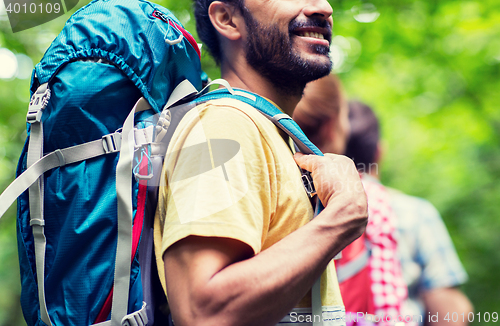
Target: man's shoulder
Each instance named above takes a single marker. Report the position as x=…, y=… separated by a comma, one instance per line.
x=234, y=118
x=415, y=213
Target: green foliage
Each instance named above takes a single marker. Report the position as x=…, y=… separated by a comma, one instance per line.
x=429, y=68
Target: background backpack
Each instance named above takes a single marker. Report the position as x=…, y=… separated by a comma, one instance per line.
x=106, y=98
x=369, y=271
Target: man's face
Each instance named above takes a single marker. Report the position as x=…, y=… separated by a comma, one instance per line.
x=286, y=46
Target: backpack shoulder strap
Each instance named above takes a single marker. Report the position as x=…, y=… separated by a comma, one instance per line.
x=270, y=111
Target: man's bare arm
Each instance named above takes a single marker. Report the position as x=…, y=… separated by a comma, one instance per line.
x=214, y=281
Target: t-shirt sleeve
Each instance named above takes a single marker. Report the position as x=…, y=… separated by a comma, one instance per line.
x=441, y=266
x=217, y=178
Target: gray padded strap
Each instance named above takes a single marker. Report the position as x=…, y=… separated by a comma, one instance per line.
x=38, y=103
x=142, y=105
x=158, y=149
x=225, y=83
x=186, y=89
x=36, y=200
x=138, y=318
x=353, y=267
x=125, y=215
x=276, y=120
x=144, y=136
x=316, y=304
x=40, y=244
x=181, y=91
x=280, y=116
x=50, y=161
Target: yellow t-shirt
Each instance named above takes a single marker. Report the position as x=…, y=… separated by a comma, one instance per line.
x=229, y=173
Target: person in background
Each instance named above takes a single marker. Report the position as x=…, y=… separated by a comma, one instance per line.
x=430, y=264
x=323, y=114
x=374, y=290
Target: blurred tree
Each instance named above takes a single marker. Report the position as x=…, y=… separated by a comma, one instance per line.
x=429, y=68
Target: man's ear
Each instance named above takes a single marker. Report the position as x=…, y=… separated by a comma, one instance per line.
x=226, y=19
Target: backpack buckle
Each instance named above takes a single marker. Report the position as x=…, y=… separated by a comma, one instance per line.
x=38, y=102
x=111, y=143
x=308, y=183
x=138, y=318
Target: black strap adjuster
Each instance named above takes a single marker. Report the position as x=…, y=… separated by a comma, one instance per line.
x=308, y=183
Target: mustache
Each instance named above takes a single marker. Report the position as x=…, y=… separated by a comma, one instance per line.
x=312, y=22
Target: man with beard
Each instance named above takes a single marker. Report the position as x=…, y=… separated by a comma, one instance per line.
x=237, y=245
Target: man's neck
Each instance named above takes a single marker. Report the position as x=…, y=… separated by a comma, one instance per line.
x=241, y=75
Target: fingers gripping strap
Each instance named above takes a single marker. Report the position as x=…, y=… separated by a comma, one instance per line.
x=124, y=241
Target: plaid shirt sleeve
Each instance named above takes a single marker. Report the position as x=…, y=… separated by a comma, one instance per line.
x=428, y=257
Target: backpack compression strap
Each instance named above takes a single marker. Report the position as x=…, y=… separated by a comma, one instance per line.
x=107, y=145
x=38, y=102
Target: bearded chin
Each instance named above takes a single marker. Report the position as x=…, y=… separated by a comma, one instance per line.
x=270, y=53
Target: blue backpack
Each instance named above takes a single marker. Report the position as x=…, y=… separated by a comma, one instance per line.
x=106, y=98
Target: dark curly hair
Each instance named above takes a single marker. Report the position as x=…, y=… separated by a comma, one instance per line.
x=365, y=134
x=206, y=31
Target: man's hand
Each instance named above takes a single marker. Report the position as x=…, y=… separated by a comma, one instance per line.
x=333, y=176
x=339, y=188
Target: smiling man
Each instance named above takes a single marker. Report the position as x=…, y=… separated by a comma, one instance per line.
x=237, y=245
